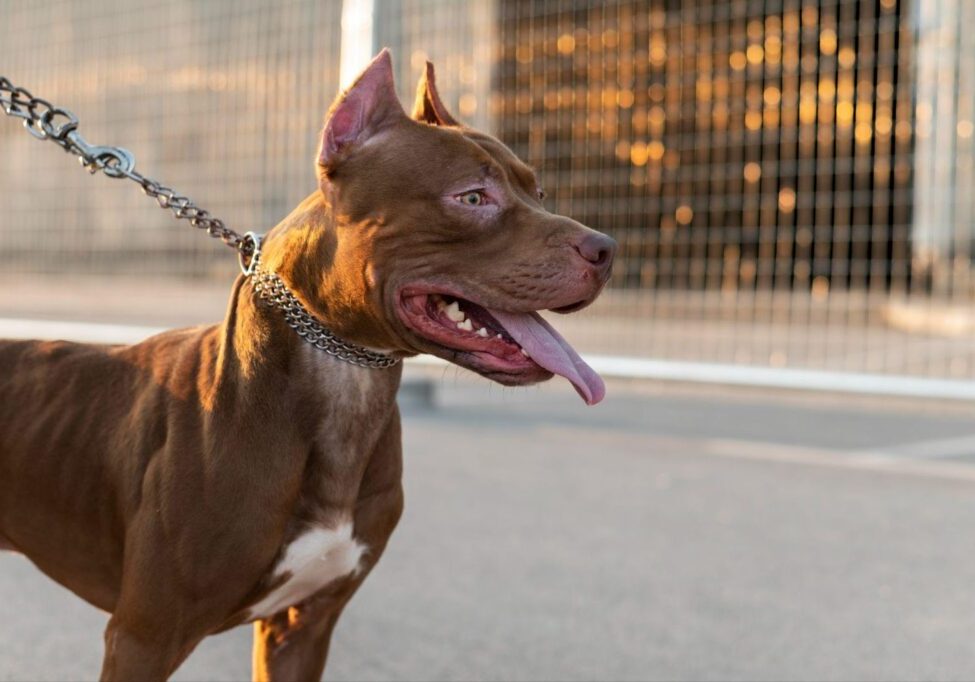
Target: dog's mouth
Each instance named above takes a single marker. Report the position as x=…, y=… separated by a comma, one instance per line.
x=511, y=348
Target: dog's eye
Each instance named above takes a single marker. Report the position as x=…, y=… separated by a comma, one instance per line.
x=472, y=198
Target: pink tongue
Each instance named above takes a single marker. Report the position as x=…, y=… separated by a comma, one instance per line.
x=547, y=347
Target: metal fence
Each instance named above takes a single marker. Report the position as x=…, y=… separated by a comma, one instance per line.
x=222, y=100
x=791, y=181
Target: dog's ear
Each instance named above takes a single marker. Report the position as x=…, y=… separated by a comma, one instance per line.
x=366, y=107
x=429, y=107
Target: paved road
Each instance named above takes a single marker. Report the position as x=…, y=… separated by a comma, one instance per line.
x=662, y=535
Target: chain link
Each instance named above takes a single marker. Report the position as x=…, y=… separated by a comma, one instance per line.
x=45, y=121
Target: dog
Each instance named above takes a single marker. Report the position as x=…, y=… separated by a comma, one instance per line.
x=250, y=472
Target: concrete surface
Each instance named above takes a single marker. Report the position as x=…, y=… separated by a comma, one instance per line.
x=665, y=535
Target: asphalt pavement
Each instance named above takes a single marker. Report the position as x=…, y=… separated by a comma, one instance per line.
x=667, y=534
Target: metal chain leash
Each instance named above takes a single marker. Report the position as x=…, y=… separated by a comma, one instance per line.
x=45, y=121
x=271, y=288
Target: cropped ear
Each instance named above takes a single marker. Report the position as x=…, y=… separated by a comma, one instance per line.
x=366, y=107
x=428, y=106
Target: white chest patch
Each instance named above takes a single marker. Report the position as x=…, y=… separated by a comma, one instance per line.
x=313, y=560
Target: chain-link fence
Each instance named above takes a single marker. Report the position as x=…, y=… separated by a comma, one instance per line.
x=790, y=180
x=221, y=100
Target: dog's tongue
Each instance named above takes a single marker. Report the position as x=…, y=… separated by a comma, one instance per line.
x=547, y=347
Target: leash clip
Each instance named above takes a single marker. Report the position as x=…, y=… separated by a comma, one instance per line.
x=248, y=257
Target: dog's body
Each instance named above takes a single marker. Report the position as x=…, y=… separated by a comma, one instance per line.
x=167, y=482
x=209, y=477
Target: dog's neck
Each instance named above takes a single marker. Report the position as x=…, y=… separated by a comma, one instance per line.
x=331, y=279
x=258, y=347
x=307, y=392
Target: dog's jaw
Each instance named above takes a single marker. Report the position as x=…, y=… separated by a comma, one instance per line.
x=512, y=348
x=459, y=331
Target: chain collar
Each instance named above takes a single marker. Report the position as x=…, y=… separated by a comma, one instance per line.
x=272, y=289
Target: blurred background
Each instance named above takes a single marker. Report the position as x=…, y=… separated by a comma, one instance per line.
x=789, y=180
x=791, y=185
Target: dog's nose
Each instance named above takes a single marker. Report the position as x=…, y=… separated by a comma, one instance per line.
x=597, y=248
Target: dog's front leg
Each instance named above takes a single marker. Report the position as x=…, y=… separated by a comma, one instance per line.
x=141, y=656
x=293, y=645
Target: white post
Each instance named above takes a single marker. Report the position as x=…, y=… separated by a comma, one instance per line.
x=357, y=39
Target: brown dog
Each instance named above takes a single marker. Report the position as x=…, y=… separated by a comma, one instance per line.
x=210, y=477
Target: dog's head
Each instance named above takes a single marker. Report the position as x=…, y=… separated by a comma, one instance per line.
x=441, y=231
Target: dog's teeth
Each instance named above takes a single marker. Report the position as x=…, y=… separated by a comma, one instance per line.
x=466, y=325
x=482, y=332
x=455, y=313
x=441, y=304
x=500, y=338
x=525, y=353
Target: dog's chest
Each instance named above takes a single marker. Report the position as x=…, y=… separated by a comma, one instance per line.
x=321, y=554
x=310, y=562
x=355, y=391
x=357, y=402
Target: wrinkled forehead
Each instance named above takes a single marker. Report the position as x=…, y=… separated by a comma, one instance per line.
x=449, y=157
x=517, y=171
